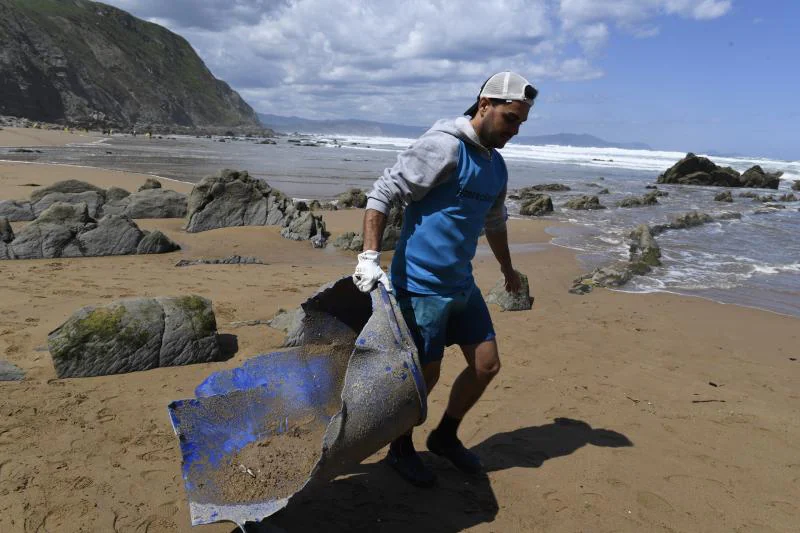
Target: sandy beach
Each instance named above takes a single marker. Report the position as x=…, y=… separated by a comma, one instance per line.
x=613, y=411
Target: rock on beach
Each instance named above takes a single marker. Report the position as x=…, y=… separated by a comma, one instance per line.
x=135, y=334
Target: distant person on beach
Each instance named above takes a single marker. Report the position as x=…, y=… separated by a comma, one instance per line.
x=453, y=183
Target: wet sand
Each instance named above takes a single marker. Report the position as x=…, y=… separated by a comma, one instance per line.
x=613, y=411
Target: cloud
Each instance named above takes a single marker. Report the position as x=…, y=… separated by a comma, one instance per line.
x=207, y=14
x=409, y=62
x=636, y=17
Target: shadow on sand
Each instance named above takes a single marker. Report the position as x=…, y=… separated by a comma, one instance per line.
x=228, y=346
x=374, y=499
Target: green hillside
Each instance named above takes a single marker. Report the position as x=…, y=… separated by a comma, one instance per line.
x=87, y=63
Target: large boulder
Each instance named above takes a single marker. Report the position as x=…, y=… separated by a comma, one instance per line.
x=535, y=206
x=696, y=170
x=149, y=203
x=584, y=203
x=66, y=187
x=67, y=230
x=796, y=185
x=135, y=334
x=53, y=233
x=234, y=198
x=113, y=235
x=93, y=200
x=16, y=211
x=511, y=301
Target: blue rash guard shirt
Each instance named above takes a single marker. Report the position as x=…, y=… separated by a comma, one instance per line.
x=440, y=231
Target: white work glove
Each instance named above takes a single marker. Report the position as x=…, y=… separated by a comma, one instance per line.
x=369, y=272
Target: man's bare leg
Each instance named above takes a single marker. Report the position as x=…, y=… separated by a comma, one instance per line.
x=483, y=364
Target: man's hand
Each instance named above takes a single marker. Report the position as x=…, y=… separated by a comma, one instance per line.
x=369, y=272
x=513, y=283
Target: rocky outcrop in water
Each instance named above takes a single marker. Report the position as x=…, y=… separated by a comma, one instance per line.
x=696, y=170
x=535, y=190
x=584, y=203
x=535, y=206
x=725, y=196
x=644, y=251
x=67, y=230
x=135, y=334
x=643, y=201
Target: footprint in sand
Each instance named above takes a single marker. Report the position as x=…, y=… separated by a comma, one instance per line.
x=167, y=510
x=164, y=454
x=82, y=482
x=150, y=475
x=105, y=415
x=653, y=502
x=66, y=517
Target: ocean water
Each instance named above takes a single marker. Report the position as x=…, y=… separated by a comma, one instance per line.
x=752, y=261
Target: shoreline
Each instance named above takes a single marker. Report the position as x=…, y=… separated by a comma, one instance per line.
x=623, y=411
x=57, y=137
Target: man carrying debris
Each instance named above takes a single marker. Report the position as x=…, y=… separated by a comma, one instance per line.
x=453, y=182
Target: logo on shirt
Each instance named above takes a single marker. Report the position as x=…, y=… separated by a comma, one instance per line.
x=474, y=195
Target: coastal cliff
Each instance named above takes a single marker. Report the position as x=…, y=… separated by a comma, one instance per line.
x=89, y=64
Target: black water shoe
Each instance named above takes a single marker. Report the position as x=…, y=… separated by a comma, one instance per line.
x=456, y=452
x=412, y=469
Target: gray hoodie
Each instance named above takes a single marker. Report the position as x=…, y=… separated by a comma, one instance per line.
x=429, y=162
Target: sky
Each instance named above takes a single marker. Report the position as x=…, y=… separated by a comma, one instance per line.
x=688, y=75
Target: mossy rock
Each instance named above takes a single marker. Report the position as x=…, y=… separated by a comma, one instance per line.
x=135, y=334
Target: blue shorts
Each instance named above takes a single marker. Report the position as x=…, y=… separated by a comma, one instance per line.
x=438, y=321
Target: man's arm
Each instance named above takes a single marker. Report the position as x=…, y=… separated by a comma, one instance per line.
x=374, y=224
x=498, y=242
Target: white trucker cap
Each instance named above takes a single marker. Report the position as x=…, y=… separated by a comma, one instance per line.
x=507, y=86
